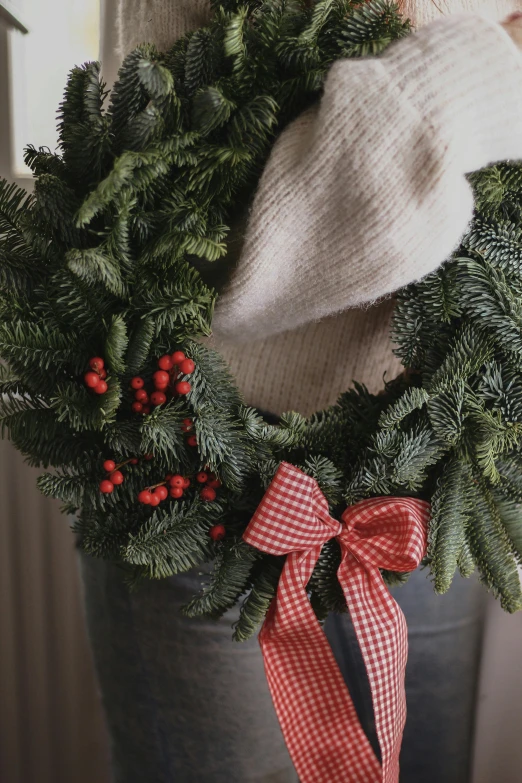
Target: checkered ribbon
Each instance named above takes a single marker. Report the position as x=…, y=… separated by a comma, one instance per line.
x=319, y=722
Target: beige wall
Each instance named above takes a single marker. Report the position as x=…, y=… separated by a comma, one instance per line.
x=498, y=745
x=51, y=728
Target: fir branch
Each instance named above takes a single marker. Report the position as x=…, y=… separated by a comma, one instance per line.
x=155, y=78
x=327, y=475
x=326, y=592
x=116, y=344
x=140, y=344
x=446, y=412
x=212, y=383
x=492, y=548
x=64, y=487
x=224, y=447
x=229, y=579
x=162, y=435
x=178, y=303
x=94, y=266
x=174, y=540
x=412, y=399
x=371, y=28
x=256, y=604
x=450, y=516
x=38, y=349
x=82, y=410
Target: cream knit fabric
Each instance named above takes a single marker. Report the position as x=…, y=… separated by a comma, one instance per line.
x=160, y=22
x=362, y=194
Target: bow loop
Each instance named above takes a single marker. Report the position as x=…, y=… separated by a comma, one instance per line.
x=387, y=533
x=315, y=710
x=292, y=516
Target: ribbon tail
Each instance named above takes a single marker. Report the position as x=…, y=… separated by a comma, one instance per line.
x=381, y=631
x=318, y=719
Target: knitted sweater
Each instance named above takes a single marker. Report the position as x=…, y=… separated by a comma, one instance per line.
x=362, y=194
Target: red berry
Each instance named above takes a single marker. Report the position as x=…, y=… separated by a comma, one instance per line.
x=106, y=487
x=207, y=493
x=137, y=407
x=96, y=363
x=217, y=532
x=165, y=363
x=155, y=499
x=161, y=379
x=141, y=396
x=91, y=379
x=134, y=461
x=137, y=382
x=158, y=398
x=109, y=465
x=146, y=410
x=187, y=366
x=202, y=477
x=144, y=496
x=176, y=492
x=168, y=477
x=183, y=387
x=187, y=425
x=192, y=440
x=148, y=456
x=101, y=387
x=117, y=477
x=186, y=483
x=178, y=357
x=103, y=373
x=162, y=492
x=177, y=481
x=214, y=483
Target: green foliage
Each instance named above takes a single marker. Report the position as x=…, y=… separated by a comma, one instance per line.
x=161, y=434
x=173, y=540
x=103, y=260
x=228, y=581
x=492, y=548
x=450, y=517
x=370, y=29
x=264, y=583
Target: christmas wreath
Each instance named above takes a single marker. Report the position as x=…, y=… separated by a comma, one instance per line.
x=104, y=301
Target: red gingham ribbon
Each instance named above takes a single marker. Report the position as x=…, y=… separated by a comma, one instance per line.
x=317, y=716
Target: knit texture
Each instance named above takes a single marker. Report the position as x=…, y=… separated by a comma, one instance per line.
x=367, y=191
x=160, y=22
x=362, y=194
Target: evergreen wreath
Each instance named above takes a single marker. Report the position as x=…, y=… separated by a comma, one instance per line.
x=103, y=298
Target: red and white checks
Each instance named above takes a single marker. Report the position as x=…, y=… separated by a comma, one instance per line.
x=317, y=716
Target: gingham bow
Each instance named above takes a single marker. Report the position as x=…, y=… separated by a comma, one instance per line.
x=317, y=716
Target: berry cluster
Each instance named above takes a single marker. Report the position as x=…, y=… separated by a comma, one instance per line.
x=174, y=485
x=165, y=381
x=115, y=476
x=186, y=427
x=95, y=377
x=211, y=483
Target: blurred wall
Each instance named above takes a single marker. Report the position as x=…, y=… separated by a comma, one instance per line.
x=498, y=746
x=51, y=725
x=51, y=728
